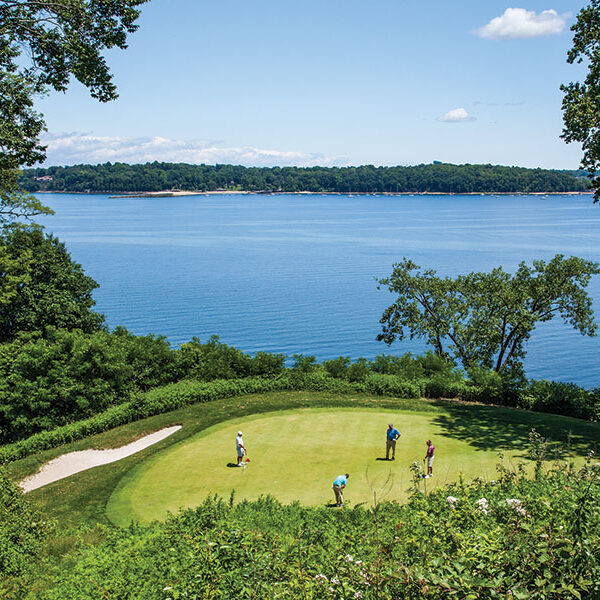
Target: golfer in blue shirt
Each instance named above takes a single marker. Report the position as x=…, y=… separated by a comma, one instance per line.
x=338, y=488
x=392, y=435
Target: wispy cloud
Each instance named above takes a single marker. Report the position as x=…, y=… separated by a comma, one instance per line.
x=74, y=148
x=519, y=23
x=457, y=115
x=480, y=103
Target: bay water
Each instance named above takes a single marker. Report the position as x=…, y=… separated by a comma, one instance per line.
x=296, y=273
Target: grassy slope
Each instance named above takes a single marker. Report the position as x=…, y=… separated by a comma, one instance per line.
x=84, y=497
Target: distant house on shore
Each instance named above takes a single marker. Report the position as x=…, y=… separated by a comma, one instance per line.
x=44, y=178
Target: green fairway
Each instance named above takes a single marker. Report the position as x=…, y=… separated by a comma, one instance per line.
x=296, y=454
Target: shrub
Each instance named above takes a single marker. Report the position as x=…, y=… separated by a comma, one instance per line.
x=358, y=370
x=391, y=385
x=48, y=381
x=22, y=529
x=514, y=538
x=434, y=364
x=304, y=364
x=337, y=367
x=212, y=360
x=442, y=386
x=561, y=398
x=406, y=365
x=172, y=397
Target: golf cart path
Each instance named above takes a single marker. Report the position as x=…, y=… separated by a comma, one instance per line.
x=75, y=462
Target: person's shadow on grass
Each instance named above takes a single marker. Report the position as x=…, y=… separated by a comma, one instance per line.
x=383, y=459
x=231, y=465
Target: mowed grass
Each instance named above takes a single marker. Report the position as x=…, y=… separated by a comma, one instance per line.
x=84, y=497
x=296, y=454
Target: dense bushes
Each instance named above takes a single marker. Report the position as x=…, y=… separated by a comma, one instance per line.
x=67, y=375
x=515, y=538
x=186, y=392
x=50, y=379
x=155, y=402
x=562, y=399
x=432, y=377
x=21, y=530
x=216, y=360
x=144, y=362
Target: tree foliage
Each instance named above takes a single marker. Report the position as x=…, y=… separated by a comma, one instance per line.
x=581, y=101
x=216, y=360
x=485, y=319
x=48, y=381
x=43, y=43
x=434, y=178
x=41, y=286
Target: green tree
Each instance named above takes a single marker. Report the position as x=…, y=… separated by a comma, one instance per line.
x=50, y=289
x=581, y=101
x=51, y=380
x=43, y=43
x=485, y=319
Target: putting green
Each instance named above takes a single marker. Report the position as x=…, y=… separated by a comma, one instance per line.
x=296, y=454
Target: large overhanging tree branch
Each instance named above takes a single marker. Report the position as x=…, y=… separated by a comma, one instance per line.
x=581, y=101
x=485, y=319
x=43, y=43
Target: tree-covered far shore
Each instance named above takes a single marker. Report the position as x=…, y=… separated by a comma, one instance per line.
x=432, y=178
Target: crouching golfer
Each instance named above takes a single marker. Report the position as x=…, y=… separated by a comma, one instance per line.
x=240, y=449
x=390, y=444
x=338, y=488
x=429, y=456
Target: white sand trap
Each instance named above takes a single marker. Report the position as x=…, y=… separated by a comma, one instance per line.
x=75, y=462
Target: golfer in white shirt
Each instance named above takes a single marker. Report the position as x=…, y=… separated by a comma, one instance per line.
x=240, y=448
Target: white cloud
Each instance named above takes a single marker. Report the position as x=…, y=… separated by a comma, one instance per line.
x=76, y=148
x=518, y=23
x=456, y=115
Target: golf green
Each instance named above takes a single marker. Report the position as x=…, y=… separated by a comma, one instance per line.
x=296, y=454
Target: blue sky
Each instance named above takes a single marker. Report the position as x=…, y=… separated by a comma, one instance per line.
x=384, y=82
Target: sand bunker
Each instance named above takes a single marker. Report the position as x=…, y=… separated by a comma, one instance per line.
x=75, y=462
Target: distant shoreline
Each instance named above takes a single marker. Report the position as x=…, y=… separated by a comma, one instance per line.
x=178, y=193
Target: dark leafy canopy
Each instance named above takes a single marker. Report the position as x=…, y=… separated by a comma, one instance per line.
x=581, y=101
x=434, y=178
x=48, y=381
x=485, y=319
x=41, y=286
x=42, y=44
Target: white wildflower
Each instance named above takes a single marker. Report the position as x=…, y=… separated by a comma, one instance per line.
x=349, y=558
x=517, y=506
x=321, y=578
x=357, y=595
x=335, y=581
x=482, y=505
x=451, y=500
x=358, y=562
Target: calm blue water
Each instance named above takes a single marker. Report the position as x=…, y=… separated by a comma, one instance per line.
x=295, y=274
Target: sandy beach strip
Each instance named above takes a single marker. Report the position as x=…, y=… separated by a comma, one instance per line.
x=82, y=460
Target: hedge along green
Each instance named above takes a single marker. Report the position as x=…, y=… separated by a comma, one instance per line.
x=184, y=393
